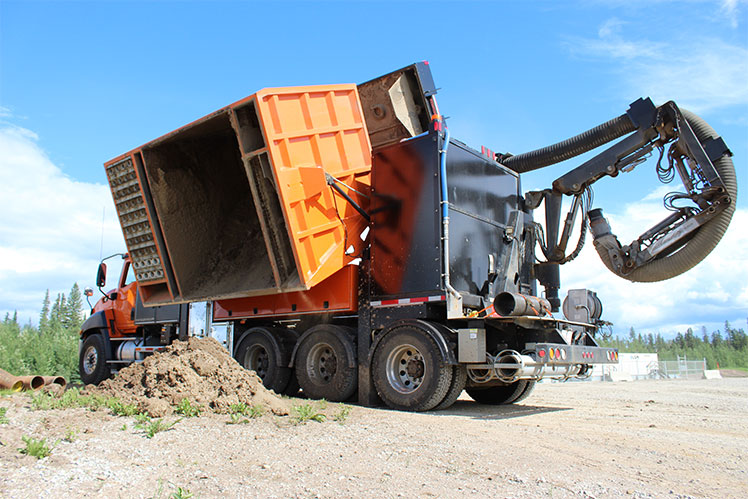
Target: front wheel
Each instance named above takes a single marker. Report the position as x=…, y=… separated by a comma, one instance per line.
x=92, y=364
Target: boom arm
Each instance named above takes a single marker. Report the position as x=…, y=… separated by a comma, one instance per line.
x=701, y=160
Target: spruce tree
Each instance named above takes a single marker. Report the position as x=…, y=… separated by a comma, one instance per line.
x=44, y=315
x=73, y=309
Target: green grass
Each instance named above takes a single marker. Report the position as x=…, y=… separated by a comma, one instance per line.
x=237, y=418
x=253, y=411
x=73, y=398
x=36, y=447
x=71, y=435
x=181, y=494
x=159, y=425
x=307, y=412
x=343, y=412
x=186, y=409
x=3, y=418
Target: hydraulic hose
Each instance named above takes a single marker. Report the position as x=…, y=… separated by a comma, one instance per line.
x=704, y=240
x=569, y=148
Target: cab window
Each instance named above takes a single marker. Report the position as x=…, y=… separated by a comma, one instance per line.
x=130, y=277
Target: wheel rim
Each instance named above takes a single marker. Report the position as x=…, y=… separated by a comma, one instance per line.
x=405, y=369
x=90, y=360
x=321, y=363
x=257, y=359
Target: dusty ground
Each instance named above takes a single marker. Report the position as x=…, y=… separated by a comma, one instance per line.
x=642, y=439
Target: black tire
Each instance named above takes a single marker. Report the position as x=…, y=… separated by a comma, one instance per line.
x=528, y=390
x=323, y=364
x=501, y=394
x=409, y=371
x=92, y=364
x=459, y=379
x=258, y=353
x=293, y=385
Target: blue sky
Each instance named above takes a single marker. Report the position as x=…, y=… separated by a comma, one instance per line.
x=82, y=82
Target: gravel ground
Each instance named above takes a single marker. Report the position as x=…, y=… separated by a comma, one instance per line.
x=639, y=439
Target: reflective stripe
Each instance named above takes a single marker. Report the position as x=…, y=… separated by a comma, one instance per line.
x=408, y=301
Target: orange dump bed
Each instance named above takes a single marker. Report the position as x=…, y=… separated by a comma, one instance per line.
x=237, y=203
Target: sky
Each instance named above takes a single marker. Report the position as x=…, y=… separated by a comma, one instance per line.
x=82, y=82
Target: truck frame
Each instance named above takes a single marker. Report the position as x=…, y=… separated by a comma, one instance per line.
x=351, y=248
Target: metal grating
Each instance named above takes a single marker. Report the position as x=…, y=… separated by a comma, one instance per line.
x=133, y=218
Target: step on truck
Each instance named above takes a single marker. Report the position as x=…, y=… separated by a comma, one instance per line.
x=350, y=247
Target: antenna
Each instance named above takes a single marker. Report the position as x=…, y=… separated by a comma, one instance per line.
x=101, y=248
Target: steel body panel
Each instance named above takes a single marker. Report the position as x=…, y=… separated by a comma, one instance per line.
x=482, y=197
x=405, y=235
x=337, y=294
x=406, y=224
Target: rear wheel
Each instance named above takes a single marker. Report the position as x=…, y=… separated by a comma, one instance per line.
x=323, y=363
x=92, y=364
x=409, y=372
x=459, y=379
x=502, y=394
x=259, y=353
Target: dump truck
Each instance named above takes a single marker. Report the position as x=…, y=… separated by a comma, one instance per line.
x=352, y=248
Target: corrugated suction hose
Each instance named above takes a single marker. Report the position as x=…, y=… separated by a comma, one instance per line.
x=569, y=148
x=705, y=238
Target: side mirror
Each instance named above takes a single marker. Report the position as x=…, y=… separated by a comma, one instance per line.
x=101, y=275
x=88, y=292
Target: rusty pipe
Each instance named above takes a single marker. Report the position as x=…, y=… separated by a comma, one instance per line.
x=514, y=304
x=55, y=380
x=32, y=382
x=10, y=382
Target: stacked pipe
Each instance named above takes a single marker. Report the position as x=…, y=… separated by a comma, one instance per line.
x=18, y=383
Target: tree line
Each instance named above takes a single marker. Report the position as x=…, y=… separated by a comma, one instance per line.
x=726, y=348
x=49, y=349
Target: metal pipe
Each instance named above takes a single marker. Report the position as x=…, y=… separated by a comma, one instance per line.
x=514, y=304
x=55, y=380
x=445, y=215
x=32, y=382
x=10, y=382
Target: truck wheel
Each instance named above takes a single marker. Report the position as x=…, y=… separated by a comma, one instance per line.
x=92, y=364
x=409, y=372
x=323, y=363
x=459, y=379
x=257, y=353
x=502, y=394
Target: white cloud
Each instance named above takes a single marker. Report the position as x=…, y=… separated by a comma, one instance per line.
x=50, y=225
x=700, y=73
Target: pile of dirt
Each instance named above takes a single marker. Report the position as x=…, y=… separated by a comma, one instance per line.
x=200, y=370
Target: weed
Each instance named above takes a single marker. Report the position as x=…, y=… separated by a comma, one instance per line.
x=254, y=411
x=119, y=408
x=240, y=408
x=124, y=427
x=237, y=418
x=185, y=408
x=72, y=398
x=342, y=414
x=141, y=421
x=159, y=425
x=322, y=404
x=307, y=412
x=3, y=418
x=181, y=494
x=36, y=447
x=7, y=391
x=71, y=435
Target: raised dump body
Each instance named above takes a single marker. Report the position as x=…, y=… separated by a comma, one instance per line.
x=238, y=204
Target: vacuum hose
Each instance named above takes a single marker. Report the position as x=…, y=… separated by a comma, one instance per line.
x=705, y=238
x=569, y=148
